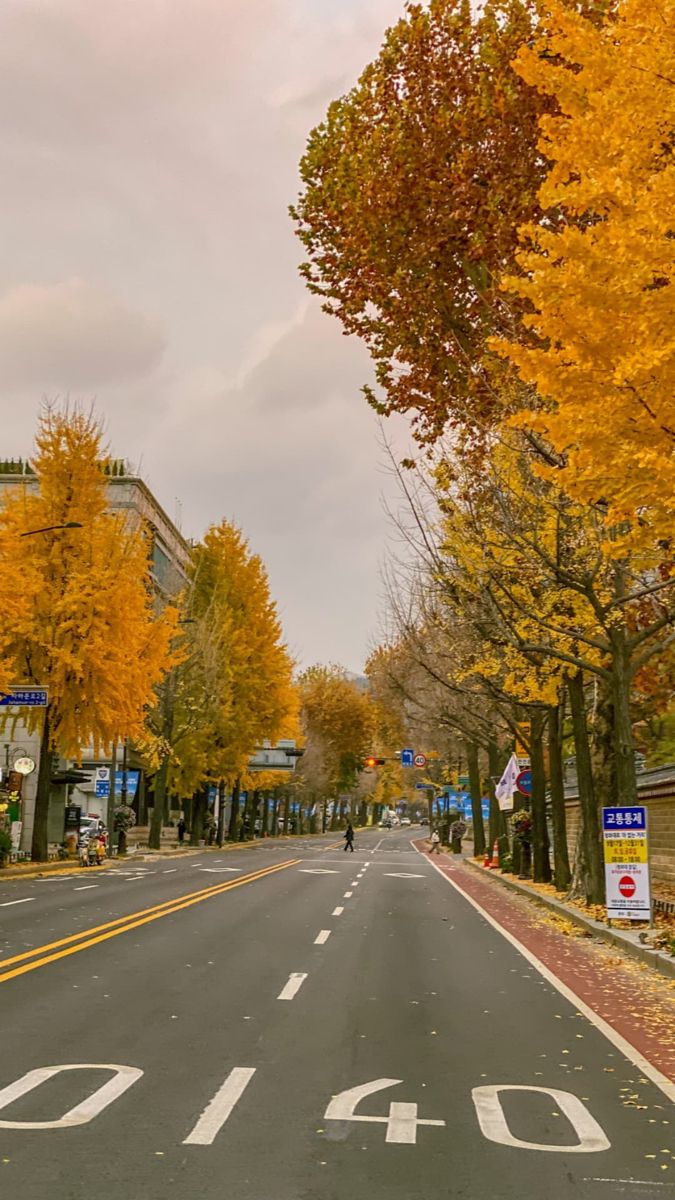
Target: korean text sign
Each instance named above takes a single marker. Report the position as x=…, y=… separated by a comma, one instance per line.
x=624, y=836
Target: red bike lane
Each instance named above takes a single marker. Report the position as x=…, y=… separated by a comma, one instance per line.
x=633, y=1001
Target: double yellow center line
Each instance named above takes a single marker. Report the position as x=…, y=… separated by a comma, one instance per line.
x=53, y=951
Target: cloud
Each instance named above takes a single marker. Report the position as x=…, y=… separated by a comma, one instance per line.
x=150, y=151
x=68, y=336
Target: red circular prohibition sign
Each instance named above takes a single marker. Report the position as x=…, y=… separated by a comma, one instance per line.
x=627, y=886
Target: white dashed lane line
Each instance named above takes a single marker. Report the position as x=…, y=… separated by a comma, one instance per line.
x=291, y=989
x=9, y=903
x=86, y=887
x=322, y=937
x=337, y=912
x=348, y=895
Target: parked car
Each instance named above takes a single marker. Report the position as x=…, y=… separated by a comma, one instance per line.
x=406, y=821
x=424, y=820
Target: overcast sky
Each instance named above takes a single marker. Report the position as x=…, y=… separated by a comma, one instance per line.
x=149, y=153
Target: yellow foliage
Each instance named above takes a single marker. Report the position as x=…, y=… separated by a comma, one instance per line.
x=89, y=632
x=599, y=268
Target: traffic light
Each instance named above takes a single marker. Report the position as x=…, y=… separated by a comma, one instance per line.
x=371, y=761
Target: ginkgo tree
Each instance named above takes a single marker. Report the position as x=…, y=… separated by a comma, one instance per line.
x=338, y=720
x=597, y=268
x=91, y=635
x=235, y=688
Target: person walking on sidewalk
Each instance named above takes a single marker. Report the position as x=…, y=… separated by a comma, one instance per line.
x=435, y=842
x=349, y=838
x=181, y=831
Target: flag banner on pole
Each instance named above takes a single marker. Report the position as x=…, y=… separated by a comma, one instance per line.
x=507, y=784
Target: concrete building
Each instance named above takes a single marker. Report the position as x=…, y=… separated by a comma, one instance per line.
x=170, y=557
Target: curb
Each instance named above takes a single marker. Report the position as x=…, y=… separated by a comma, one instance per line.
x=40, y=870
x=656, y=959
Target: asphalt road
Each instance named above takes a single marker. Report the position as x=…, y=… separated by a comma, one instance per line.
x=222, y=1009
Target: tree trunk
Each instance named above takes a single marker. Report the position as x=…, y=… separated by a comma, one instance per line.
x=155, y=834
x=233, y=830
x=624, y=746
x=287, y=805
x=541, y=859
x=588, y=878
x=220, y=832
x=39, y=844
x=265, y=822
x=476, y=800
x=275, y=815
x=561, y=860
x=252, y=802
x=199, y=807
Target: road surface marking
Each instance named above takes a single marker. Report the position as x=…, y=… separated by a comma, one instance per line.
x=401, y=875
x=337, y=912
x=86, y=887
x=220, y=1108
x=348, y=895
x=354, y=883
x=290, y=989
x=171, y=871
x=218, y=870
x=322, y=937
x=634, y=1056
x=493, y=1124
x=401, y=1122
x=82, y=1113
x=131, y=921
x=319, y=871
x=9, y=903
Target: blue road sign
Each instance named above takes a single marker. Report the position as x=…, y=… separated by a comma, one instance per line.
x=633, y=816
x=102, y=787
x=407, y=758
x=25, y=698
x=423, y=787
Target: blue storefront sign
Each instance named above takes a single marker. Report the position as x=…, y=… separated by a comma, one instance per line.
x=25, y=698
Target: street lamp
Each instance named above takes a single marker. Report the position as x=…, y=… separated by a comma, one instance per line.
x=49, y=528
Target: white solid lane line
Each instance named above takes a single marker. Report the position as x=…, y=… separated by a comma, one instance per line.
x=216, y=1113
x=322, y=937
x=290, y=989
x=8, y=903
x=86, y=887
x=337, y=912
x=629, y=1051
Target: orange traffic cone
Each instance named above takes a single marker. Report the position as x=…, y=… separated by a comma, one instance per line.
x=486, y=858
x=494, y=865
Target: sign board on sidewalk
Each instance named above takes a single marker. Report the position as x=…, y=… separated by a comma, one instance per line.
x=624, y=835
x=102, y=781
x=25, y=698
x=407, y=758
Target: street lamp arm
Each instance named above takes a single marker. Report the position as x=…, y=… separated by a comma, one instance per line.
x=49, y=528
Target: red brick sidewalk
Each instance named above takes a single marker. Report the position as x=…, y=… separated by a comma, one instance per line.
x=637, y=1004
